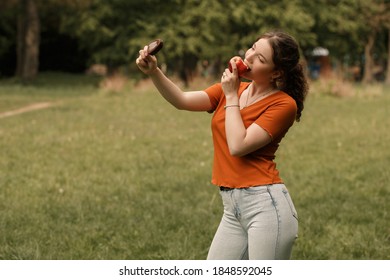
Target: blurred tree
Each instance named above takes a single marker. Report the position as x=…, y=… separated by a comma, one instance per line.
x=7, y=37
x=60, y=50
x=21, y=26
x=28, y=37
x=348, y=28
x=114, y=31
x=375, y=18
x=192, y=31
x=217, y=30
x=104, y=28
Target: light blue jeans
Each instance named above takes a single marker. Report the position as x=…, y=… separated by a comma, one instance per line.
x=257, y=223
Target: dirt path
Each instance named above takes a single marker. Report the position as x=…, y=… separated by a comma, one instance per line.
x=29, y=108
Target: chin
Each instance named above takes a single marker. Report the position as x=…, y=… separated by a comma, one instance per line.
x=246, y=76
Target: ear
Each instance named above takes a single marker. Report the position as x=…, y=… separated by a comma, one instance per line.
x=277, y=74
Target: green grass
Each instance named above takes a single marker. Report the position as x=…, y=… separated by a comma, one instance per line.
x=126, y=176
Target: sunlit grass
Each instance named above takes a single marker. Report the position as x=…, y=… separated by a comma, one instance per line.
x=126, y=176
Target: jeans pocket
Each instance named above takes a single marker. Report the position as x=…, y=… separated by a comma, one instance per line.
x=290, y=203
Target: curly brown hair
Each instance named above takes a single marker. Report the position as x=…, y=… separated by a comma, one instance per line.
x=286, y=59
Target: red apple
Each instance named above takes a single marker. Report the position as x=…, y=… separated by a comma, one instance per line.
x=241, y=66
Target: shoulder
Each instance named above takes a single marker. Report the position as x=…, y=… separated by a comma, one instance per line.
x=282, y=99
x=278, y=115
x=281, y=96
x=280, y=107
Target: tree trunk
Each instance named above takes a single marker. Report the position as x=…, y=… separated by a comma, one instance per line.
x=387, y=81
x=368, y=60
x=28, y=38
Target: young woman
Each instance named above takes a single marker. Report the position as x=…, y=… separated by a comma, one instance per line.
x=250, y=119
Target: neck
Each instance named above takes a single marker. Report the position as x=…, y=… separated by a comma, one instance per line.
x=261, y=89
x=255, y=94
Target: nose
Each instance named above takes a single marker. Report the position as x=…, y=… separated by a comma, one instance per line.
x=249, y=54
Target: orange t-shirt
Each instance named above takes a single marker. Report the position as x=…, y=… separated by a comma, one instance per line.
x=275, y=114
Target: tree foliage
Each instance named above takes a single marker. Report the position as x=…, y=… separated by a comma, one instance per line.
x=112, y=32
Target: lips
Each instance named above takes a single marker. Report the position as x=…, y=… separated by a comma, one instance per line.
x=241, y=66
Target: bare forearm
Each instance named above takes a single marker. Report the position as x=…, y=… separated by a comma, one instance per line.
x=234, y=126
x=171, y=92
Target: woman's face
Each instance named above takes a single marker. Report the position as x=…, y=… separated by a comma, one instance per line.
x=259, y=59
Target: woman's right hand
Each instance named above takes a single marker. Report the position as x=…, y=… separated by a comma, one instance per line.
x=145, y=62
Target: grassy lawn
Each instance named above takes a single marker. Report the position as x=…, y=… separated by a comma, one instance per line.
x=125, y=176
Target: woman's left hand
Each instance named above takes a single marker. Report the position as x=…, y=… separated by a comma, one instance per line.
x=230, y=81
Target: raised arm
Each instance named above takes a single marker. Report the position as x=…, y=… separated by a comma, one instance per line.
x=191, y=100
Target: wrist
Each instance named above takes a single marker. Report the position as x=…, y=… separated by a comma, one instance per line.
x=154, y=72
x=230, y=106
x=232, y=100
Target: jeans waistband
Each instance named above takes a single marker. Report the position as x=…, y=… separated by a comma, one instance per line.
x=226, y=189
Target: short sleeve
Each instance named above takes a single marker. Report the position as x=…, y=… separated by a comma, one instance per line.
x=215, y=93
x=278, y=117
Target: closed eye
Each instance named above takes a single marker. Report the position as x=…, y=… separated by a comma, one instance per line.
x=262, y=58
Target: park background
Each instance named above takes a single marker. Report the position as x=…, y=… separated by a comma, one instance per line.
x=95, y=165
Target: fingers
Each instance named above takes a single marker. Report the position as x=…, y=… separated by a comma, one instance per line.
x=226, y=73
x=141, y=62
x=230, y=73
x=143, y=53
x=143, y=57
x=146, y=63
x=235, y=58
x=234, y=66
x=223, y=77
